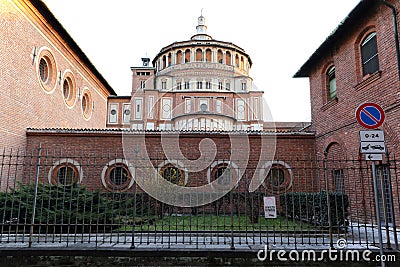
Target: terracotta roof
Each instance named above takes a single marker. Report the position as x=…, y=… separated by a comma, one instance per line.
x=129, y=131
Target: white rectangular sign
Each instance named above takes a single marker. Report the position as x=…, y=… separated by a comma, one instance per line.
x=372, y=136
x=270, y=207
x=373, y=147
x=373, y=157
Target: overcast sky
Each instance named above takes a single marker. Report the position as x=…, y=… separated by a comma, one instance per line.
x=279, y=36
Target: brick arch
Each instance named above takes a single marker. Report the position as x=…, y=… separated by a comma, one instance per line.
x=335, y=148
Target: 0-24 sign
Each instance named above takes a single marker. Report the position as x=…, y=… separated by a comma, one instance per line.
x=372, y=136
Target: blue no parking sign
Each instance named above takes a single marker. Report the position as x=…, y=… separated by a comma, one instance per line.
x=370, y=115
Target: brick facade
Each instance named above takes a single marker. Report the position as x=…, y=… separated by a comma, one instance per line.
x=333, y=119
x=249, y=154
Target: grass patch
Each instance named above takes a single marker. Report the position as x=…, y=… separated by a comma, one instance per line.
x=215, y=223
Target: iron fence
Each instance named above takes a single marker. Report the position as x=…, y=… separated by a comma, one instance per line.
x=97, y=199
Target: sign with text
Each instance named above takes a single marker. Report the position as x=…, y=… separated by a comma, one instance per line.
x=372, y=136
x=270, y=207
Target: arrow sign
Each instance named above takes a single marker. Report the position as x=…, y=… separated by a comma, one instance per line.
x=370, y=115
x=373, y=157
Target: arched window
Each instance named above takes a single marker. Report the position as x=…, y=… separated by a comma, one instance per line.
x=369, y=54
x=331, y=83
x=169, y=59
x=237, y=61
x=199, y=55
x=164, y=62
x=208, y=55
x=179, y=57
x=187, y=55
x=228, y=58
x=219, y=56
x=241, y=62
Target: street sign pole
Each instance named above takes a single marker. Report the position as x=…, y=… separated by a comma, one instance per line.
x=378, y=217
x=372, y=143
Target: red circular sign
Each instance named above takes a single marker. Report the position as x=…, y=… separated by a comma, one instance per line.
x=370, y=115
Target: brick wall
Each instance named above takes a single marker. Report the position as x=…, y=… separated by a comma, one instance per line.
x=94, y=150
x=23, y=101
x=334, y=120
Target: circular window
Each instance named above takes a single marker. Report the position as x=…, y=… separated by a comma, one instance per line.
x=113, y=112
x=69, y=89
x=172, y=174
x=65, y=174
x=203, y=107
x=86, y=101
x=224, y=175
x=279, y=179
x=127, y=112
x=117, y=176
x=46, y=70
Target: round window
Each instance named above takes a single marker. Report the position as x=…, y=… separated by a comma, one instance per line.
x=223, y=175
x=69, y=89
x=118, y=177
x=278, y=179
x=172, y=174
x=86, y=100
x=203, y=107
x=43, y=70
x=65, y=174
x=46, y=70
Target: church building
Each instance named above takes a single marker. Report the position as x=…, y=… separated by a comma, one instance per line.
x=198, y=84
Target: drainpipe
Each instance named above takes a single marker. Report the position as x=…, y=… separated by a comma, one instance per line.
x=396, y=35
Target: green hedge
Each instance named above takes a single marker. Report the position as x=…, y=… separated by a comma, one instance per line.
x=60, y=208
x=313, y=208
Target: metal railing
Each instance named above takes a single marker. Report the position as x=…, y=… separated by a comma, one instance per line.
x=83, y=197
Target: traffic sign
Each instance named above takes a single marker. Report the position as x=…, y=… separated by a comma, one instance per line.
x=373, y=157
x=370, y=115
x=373, y=147
x=372, y=136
